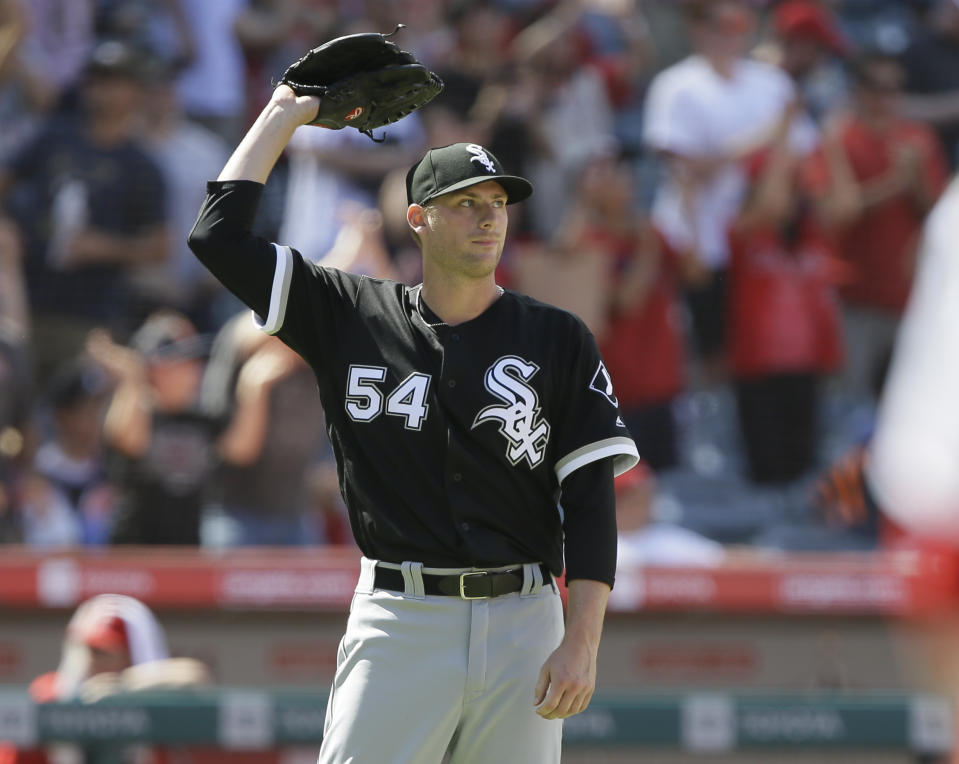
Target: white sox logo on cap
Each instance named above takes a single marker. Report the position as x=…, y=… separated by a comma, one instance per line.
x=479, y=155
x=457, y=166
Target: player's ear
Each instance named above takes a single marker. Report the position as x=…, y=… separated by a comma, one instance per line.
x=416, y=218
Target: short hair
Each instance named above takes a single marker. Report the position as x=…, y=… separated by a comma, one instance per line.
x=703, y=11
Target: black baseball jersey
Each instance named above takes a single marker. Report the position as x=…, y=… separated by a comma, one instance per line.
x=452, y=443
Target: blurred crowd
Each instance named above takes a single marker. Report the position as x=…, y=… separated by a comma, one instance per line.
x=730, y=193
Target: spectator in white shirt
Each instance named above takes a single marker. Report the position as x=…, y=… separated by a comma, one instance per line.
x=703, y=114
x=213, y=88
x=188, y=155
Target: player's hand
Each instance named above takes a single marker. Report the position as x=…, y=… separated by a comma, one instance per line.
x=304, y=107
x=566, y=681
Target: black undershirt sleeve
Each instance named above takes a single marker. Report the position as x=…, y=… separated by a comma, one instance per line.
x=589, y=507
x=223, y=241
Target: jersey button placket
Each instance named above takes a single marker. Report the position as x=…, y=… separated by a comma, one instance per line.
x=454, y=363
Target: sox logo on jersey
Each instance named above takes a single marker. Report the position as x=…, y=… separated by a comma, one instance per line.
x=520, y=422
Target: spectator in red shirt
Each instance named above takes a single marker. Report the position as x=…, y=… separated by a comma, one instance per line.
x=876, y=176
x=783, y=318
x=644, y=345
x=641, y=337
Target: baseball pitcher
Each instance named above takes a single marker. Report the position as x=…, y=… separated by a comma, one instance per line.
x=476, y=433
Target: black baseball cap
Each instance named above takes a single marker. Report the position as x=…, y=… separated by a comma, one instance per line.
x=169, y=337
x=457, y=166
x=77, y=380
x=117, y=58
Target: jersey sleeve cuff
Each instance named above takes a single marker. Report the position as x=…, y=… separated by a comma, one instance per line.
x=238, y=198
x=621, y=449
x=282, y=273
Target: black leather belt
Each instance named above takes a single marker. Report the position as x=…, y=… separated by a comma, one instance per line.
x=472, y=585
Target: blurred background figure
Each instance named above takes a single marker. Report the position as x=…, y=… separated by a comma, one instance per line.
x=25, y=94
x=475, y=54
x=874, y=179
x=618, y=41
x=807, y=43
x=90, y=204
x=113, y=644
x=57, y=37
x=570, y=269
x=332, y=172
x=274, y=437
x=489, y=96
x=215, y=56
x=570, y=111
x=911, y=462
x=160, y=439
x=702, y=116
x=610, y=266
x=68, y=488
x=360, y=245
x=327, y=503
x=272, y=33
x=842, y=493
x=188, y=155
x=644, y=343
x=784, y=326
x=931, y=63
x=643, y=540
x=911, y=465
x=16, y=382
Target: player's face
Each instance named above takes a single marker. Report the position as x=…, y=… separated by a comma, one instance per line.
x=464, y=230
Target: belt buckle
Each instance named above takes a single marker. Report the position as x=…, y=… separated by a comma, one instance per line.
x=475, y=573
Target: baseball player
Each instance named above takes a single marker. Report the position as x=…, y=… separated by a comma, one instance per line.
x=474, y=430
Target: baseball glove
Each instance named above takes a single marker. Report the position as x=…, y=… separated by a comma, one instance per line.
x=363, y=81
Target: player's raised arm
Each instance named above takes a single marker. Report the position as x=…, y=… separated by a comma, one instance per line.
x=263, y=143
x=222, y=237
x=362, y=81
